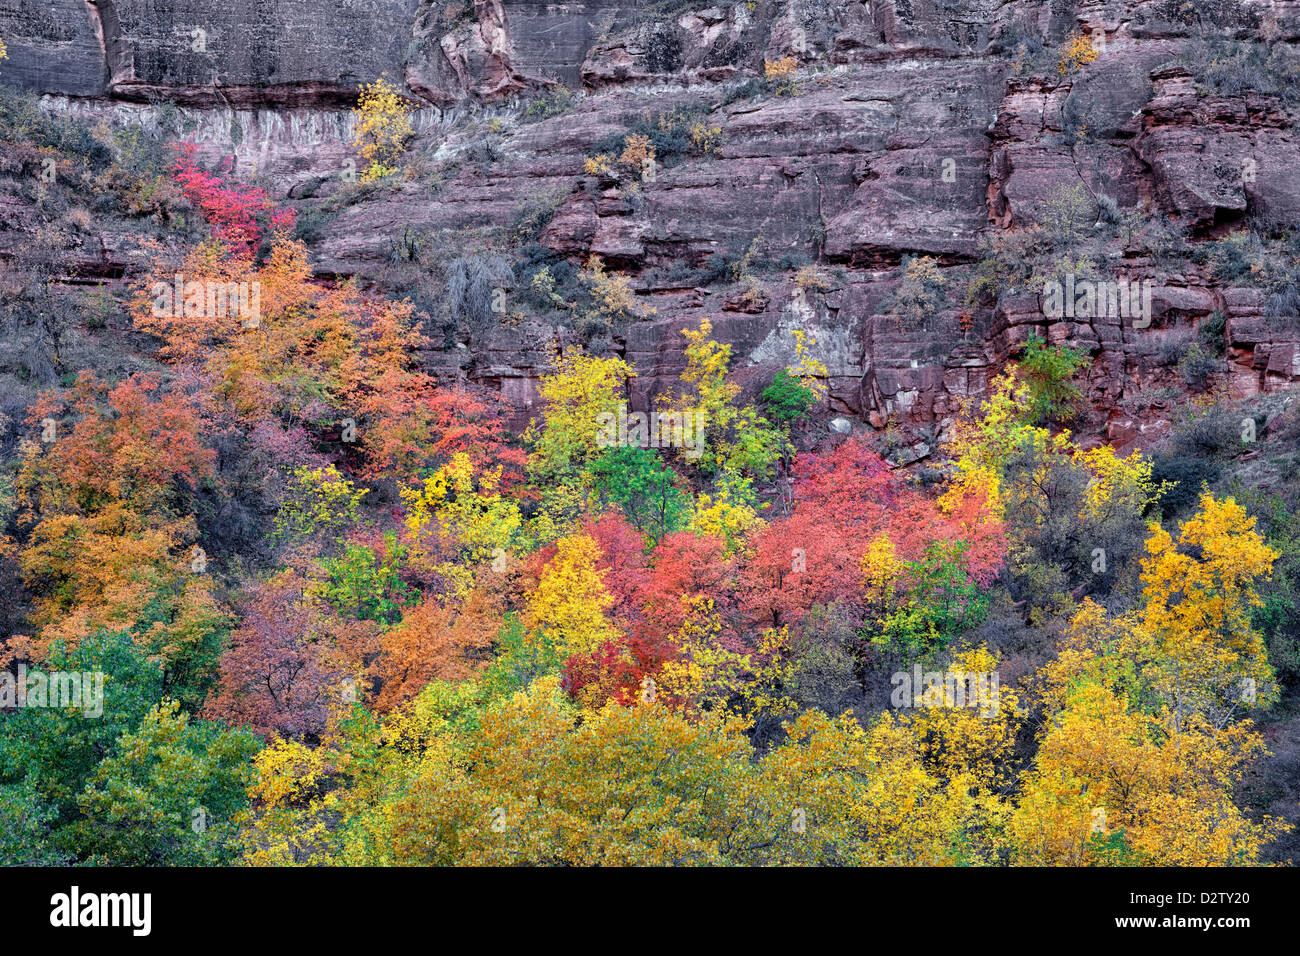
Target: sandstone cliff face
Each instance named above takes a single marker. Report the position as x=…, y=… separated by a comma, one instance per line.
x=281, y=52
x=916, y=130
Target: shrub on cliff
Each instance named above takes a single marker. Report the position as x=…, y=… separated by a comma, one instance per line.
x=787, y=398
x=383, y=126
x=1075, y=53
x=1047, y=371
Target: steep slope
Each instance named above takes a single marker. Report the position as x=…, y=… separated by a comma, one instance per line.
x=909, y=129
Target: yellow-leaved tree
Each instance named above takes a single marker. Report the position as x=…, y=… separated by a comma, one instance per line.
x=1199, y=591
x=647, y=785
x=570, y=603
x=580, y=399
x=1189, y=647
x=575, y=396
x=969, y=732
x=736, y=438
x=466, y=518
x=1140, y=752
x=1073, y=515
x=708, y=676
x=530, y=780
x=1114, y=786
x=383, y=125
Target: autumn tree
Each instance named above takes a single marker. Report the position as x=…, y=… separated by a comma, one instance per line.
x=436, y=640
x=736, y=439
x=524, y=782
x=1115, y=786
x=685, y=567
x=383, y=126
x=118, y=778
x=1198, y=593
x=1047, y=371
x=843, y=502
x=574, y=396
x=293, y=662
x=332, y=358
x=237, y=213
x=1190, y=646
x=570, y=602
x=48, y=754
x=473, y=420
x=104, y=493
x=459, y=521
x=319, y=506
